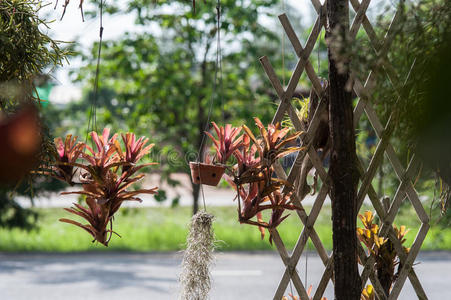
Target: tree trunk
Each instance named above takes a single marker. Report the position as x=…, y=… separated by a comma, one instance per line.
x=343, y=170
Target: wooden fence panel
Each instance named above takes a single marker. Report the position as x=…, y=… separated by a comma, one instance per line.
x=381, y=46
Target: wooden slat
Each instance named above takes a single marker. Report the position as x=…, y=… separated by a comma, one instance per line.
x=304, y=218
x=312, y=38
x=293, y=273
x=303, y=238
x=327, y=275
x=369, y=273
x=358, y=19
x=368, y=27
x=407, y=264
x=277, y=87
x=317, y=5
x=301, y=53
x=374, y=164
x=305, y=139
x=412, y=276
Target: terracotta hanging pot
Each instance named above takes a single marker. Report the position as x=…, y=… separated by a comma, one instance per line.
x=206, y=173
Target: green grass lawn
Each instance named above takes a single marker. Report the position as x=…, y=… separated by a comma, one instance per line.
x=165, y=229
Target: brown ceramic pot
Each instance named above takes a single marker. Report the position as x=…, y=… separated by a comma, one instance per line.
x=205, y=173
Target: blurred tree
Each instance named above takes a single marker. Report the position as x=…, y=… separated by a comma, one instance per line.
x=25, y=53
x=423, y=111
x=163, y=83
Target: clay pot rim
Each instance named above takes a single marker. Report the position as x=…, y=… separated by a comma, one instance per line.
x=194, y=163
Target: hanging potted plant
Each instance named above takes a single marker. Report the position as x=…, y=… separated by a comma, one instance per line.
x=252, y=175
x=106, y=173
x=210, y=173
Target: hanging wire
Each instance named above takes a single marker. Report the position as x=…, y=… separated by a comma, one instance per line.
x=283, y=48
x=93, y=112
x=219, y=57
x=306, y=263
x=215, y=81
x=218, y=68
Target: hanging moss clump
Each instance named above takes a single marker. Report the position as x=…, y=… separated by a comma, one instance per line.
x=195, y=278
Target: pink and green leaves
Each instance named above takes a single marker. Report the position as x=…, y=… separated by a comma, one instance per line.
x=227, y=142
x=135, y=149
x=252, y=176
x=107, y=175
x=67, y=153
x=274, y=141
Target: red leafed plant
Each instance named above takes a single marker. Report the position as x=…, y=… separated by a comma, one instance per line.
x=228, y=141
x=252, y=175
x=66, y=154
x=273, y=142
x=106, y=176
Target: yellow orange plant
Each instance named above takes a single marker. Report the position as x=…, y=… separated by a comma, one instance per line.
x=381, y=248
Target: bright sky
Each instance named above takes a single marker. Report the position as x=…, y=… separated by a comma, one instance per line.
x=72, y=28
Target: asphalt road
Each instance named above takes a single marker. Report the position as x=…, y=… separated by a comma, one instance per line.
x=154, y=276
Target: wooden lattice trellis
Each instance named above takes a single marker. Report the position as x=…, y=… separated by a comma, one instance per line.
x=386, y=214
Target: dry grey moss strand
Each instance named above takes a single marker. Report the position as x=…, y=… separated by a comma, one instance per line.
x=195, y=277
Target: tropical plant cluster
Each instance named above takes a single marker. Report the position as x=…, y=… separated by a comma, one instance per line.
x=382, y=249
x=252, y=175
x=106, y=173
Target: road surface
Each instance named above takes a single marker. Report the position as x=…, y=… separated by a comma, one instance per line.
x=147, y=276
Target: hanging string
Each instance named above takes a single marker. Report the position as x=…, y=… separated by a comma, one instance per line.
x=219, y=57
x=215, y=81
x=218, y=68
x=306, y=264
x=93, y=111
x=283, y=49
